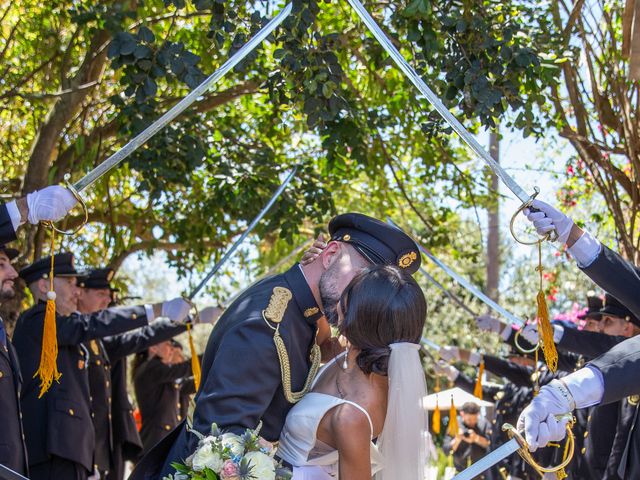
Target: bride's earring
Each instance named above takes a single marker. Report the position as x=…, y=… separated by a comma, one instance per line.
x=345, y=364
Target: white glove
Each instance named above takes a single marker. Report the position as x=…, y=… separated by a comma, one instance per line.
x=449, y=371
x=547, y=219
x=449, y=354
x=474, y=358
x=209, y=315
x=530, y=333
x=539, y=420
x=51, y=203
x=489, y=324
x=176, y=310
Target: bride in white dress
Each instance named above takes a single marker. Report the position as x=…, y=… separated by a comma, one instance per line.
x=364, y=414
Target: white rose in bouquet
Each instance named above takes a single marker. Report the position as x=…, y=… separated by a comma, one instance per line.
x=205, y=457
x=233, y=442
x=262, y=466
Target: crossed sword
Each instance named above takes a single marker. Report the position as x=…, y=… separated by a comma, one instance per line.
x=415, y=79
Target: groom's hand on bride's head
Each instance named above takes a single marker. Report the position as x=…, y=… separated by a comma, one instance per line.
x=314, y=250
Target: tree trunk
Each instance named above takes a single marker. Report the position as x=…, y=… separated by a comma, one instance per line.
x=493, y=214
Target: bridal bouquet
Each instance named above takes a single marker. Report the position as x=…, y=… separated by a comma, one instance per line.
x=227, y=456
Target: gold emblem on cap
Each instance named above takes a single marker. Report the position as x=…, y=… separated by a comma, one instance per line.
x=94, y=347
x=407, y=259
x=346, y=238
x=634, y=400
x=277, y=304
x=311, y=311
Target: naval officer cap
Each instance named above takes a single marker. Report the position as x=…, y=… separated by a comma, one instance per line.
x=11, y=253
x=594, y=305
x=98, y=279
x=63, y=266
x=378, y=242
x=614, y=308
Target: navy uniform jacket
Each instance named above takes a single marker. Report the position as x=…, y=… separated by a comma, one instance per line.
x=241, y=380
x=157, y=386
x=13, y=451
x=7, y=233
x=60, y=423
x=112, y=412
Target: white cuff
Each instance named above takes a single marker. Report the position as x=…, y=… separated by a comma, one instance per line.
x=586, y=385
x=558, y=333
x=506, y=333
x=14, y=214
x=474, y=358
x=585, y=250
x=148, y=309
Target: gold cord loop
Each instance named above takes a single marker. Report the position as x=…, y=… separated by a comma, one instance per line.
x=552, y=236
x=527, y=457
x=81, y=202
x=516, y=341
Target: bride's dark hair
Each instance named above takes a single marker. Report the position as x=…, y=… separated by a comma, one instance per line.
x=382, y=305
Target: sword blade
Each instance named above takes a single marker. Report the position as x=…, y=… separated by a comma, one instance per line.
x=7, y=474
x=466, y=284
x=182, y=105
x=489, y=460
x=430, y=343
x=244, y=235
x=448, y=293
x=433, y=99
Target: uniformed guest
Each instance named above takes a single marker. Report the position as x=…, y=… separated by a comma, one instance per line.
x=608, y=378
x=49, y=204
x=117, y=439
x=272, y=324
x=13, y=452
x=157, y=381
x=59, y=432
x=187, y=384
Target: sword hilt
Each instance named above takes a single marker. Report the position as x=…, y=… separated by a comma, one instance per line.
x=524, y=452
x=551, y=236
x=81, y=202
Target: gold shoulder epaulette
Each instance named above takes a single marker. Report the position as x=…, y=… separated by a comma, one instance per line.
x=278, y=304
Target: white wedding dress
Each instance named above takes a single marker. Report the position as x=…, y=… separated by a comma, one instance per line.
x=310, y=458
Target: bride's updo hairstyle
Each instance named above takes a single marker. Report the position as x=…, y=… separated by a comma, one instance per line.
x=382, y=305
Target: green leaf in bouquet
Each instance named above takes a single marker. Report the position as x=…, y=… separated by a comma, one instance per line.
x=215, y=430
x=180, y=467
x=210, y=474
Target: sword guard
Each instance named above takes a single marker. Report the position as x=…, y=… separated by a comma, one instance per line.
x=81, y=202
x=552, y=236
x=524, y=452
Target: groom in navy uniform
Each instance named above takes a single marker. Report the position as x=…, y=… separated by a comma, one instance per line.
x=275, y=323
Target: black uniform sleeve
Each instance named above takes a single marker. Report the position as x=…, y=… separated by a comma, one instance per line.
x=590, y=344
x=163, y=373
x=119, y=346
x=567, y=361
x=516, y=374
x=78, y=328
x=7, y=233
x=468, y=385
x=242, y=380
x=618, y=277
x=620, y=369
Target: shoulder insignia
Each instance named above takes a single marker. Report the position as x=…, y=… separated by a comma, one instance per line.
x=278, y=304
x=94, y=347
x=311, y=311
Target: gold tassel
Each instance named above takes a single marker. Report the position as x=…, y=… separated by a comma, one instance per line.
x=545, y=329
x=435, y=420
x=48, y=369
x=195, y=362
x=453, y=420
x=477, y=390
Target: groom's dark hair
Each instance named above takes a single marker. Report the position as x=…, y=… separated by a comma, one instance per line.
x=382, y=305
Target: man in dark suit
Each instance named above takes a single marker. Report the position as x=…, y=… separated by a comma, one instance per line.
x=58, y=427
x=272, y=325
x=117, y=439
x=13, y=453
x=608, y=378
x=49, y=204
